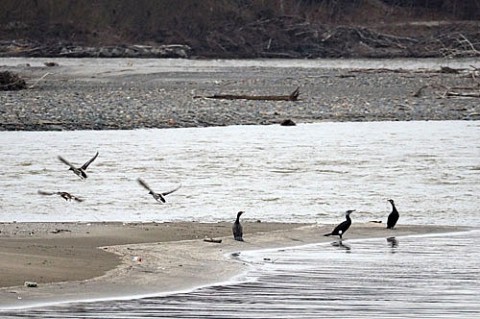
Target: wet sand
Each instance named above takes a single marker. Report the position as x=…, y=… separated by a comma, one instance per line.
x=91, y=261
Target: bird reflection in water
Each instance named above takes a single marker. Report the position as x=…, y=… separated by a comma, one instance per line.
x=393, y=243
x=341, y=245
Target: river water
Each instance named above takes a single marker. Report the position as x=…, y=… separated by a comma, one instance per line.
x=108, y=67
x=306, y=173
x=407, y=277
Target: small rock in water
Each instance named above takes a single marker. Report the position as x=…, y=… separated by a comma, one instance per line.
x=288, y=122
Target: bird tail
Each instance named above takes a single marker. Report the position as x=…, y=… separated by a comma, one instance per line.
x=239, y=238
x=329, y=234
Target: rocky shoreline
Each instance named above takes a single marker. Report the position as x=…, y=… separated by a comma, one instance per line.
x=89, y=97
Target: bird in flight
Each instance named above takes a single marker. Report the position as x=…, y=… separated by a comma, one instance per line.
x=79, y=171
x=64, y=195
x=159, y=197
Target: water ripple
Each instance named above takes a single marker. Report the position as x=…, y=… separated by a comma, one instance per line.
x=418, y=277
x=316, y=171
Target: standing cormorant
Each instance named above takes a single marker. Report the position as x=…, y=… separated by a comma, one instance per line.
x=159, y=197
x=343, y=226
x=237, y=228
x=393, y=217
x=79, y=171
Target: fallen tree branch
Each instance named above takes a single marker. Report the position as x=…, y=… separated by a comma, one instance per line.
x=462, y=94
x=292, y=97
x=419, y=92
x=213, y=240
x=36, y=82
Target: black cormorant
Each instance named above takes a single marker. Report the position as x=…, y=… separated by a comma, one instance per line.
x=343, y=226
x=393, y=217
x=237, y=228
x=64, y=195
x=79, y=171
x=159, y=197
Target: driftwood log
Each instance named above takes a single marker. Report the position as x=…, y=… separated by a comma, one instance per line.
x=462, y=94
x=292, y=97
x=443, y=91
x=213, y=240
x=469, y=91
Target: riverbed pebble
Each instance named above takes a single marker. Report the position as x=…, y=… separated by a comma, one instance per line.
x=99, y=100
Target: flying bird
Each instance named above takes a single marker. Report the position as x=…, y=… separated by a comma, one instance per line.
x=237, y=228
x=393, y=217
x=159, y=197
x=64, y=195
x=79, y=171
x=343, y=226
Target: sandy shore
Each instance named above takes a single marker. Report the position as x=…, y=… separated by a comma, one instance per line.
x=90, y=261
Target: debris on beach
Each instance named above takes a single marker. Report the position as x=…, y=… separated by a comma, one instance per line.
x=10, y=81
x=30, y=284
x=137, y=259
x=51, y=64
x=292, y=97
x=212, y=240
x=59, y=230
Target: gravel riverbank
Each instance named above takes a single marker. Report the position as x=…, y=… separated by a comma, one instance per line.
x=128, y=93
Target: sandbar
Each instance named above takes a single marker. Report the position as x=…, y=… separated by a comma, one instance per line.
x=100, y=261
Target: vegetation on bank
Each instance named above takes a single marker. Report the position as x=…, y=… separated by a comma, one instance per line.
x=251, y=28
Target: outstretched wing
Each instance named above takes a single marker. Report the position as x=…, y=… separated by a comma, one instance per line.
x=46, y=193
x=84, y=166
x=173, y=190
x=65, y=161
x=77, y=199
x=141, y=182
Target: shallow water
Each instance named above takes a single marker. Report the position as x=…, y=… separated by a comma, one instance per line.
x=108, y=67
x=407, y=277
x=307, y=173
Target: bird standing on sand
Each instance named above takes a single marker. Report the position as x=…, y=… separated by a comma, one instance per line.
x=159, y=197
x=237, y=228
x=393, y=217
x=343, y=226
x=64, y=195
x=79, y=171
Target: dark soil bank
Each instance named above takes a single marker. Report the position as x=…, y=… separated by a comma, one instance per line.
x=240, y=29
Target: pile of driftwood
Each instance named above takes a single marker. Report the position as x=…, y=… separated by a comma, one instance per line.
x=453, y=91
x=11, y=82
x=293, y=37
x=77, y=51
x=471, y=91
x=292, y=97
x=283, y=37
